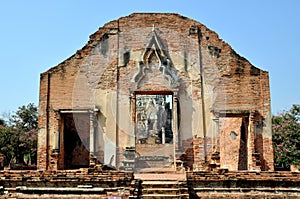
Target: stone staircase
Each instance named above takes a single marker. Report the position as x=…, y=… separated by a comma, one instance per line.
x=163, y=186
x=164, y=189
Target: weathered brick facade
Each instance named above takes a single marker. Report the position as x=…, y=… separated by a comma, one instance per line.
x=219, y=105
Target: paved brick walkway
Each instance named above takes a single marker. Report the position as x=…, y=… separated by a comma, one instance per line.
x=160, y=176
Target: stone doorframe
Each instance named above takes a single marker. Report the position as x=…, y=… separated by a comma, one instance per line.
x=175, y=116
x=58, y=145
x=253, y=156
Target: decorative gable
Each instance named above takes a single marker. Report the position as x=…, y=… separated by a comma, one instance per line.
x=155, y=57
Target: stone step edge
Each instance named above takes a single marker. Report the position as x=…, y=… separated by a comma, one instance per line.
x=24, y=189
x=247, y=189
x=154, y=182
x=161, y=195
x=164, y=189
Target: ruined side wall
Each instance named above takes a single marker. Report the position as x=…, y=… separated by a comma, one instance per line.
x=71, y=86
x=42, y=123
x=232, y=84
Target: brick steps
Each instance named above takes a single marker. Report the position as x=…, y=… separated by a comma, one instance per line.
x=269, y=189
x=160, y=196
x=164, y=189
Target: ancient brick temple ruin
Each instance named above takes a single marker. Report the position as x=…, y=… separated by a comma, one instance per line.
x=153, y=106
x=155, y=92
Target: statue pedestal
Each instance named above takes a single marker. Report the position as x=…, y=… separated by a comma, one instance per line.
x=151, y=140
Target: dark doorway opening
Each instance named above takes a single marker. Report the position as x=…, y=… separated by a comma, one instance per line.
x=243, y=152
x=76, y=140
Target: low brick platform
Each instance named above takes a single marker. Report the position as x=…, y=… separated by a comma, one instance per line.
x=243, y=184
x=85, y=183
x=82, y=183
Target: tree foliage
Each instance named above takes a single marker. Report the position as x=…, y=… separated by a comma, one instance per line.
x=2, y=122
x=18, y=139
x=286, y=137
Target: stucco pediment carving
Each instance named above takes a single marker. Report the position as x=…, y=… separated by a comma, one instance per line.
x=154, y=56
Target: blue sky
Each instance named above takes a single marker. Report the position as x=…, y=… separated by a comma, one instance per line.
x=37, y=35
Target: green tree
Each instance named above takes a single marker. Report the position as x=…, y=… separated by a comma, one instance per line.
x=286, y=137
x=26, y=117
x=18, y=140
x=6, y=147
x=2, y=122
